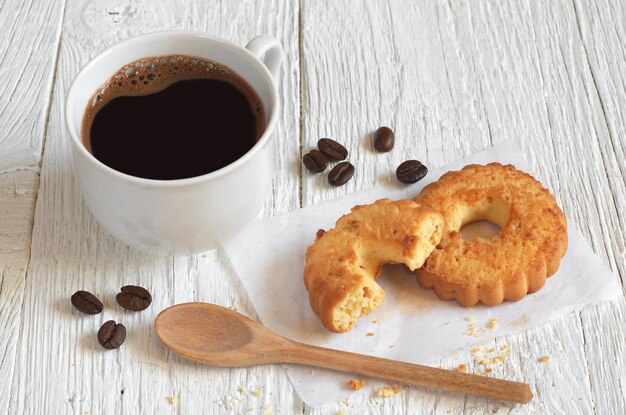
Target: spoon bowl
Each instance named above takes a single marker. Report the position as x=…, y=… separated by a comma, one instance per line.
x=216, y=335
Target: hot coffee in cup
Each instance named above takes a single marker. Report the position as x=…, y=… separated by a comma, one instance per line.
x=172, y=117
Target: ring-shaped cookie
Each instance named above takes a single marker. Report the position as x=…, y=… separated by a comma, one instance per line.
x=516, y=261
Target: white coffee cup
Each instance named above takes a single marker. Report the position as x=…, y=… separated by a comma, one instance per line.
x=188, y=215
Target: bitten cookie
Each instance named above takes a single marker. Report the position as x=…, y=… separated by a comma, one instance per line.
x=343, y=263
x=529, y=247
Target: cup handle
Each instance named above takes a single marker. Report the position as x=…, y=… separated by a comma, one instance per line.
x=268, y=50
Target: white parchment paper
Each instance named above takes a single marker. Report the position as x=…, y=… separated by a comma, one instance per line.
x=412, y=324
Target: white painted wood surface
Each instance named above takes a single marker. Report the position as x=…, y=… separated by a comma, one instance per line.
x=450, y=77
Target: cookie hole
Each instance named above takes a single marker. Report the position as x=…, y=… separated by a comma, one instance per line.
x=482, y=228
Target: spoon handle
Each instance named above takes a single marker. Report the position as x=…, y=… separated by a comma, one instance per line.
x=412, y=374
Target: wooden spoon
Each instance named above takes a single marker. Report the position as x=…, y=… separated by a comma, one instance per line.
x=219, y=336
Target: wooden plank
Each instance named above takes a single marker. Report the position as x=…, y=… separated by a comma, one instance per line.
x=451, y=78
x=16, y=204
x=17, y=199
x=65, y=370
x=28, y=52
x=602, y=27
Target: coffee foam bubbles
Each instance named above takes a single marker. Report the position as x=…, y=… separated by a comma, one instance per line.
x=150, y=75
x=153, y=74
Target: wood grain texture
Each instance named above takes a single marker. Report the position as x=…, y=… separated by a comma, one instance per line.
x=602, y=27
x=449, y=77
x=28, y=58
x=71, y=252
x=16, y=205
x=452, y=78
x=28, y=54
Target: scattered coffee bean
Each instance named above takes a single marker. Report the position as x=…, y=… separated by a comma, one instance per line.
x=411, y=171
x=111, y=335
x=134, y=298
x=340, y=174
x=332, y=149
x=384, y=139
x=86, y=302
x=315, y=161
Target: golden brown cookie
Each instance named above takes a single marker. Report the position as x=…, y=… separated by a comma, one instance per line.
x=529, y=247
x=343, y=263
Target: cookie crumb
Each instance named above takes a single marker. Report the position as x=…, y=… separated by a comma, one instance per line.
x=172, y=400
x=488, y=370
x=356, y=384
x=462, y=368
x=471, y=330
x=341, y=413
x=374, y=321
x=489, y=356
x=543, y=359
x=388, y=391
x=257, y=393
x=267, y=408
x=370, y=334
x=493, y=323
x=242, y=389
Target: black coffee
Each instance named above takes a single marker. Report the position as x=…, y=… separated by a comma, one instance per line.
x=172, y=117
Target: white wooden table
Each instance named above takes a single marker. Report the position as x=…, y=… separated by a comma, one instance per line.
x=450, y=77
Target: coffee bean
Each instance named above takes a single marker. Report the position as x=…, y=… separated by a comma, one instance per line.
x=111, y=335
x=86, y=302
x=134, y=298
x=384, y=139
x=332, y=149
x=315, y=161
x=411, y=171
x=340, y=174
